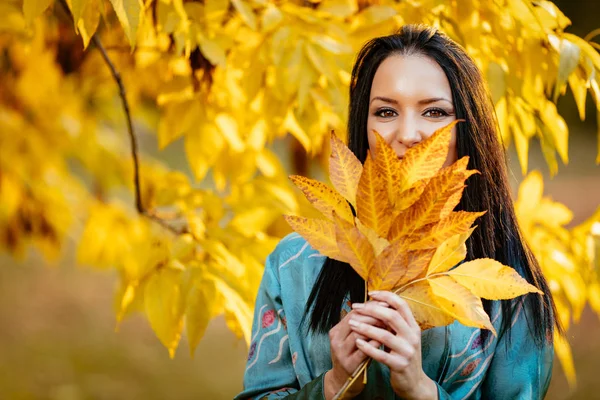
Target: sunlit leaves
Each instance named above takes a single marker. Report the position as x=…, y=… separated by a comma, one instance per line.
x=565, y=256
x=228, y=78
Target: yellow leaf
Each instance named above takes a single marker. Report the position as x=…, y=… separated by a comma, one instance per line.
x=441, y=195
x=178, y=118
x=555, y=130
x=502, y=113
x=372, y=203
x=425, y=309
x=579, y=89
x=388, y=165
x=598, y=139
x=88, y=23
x=457, y=301
x=77, y=7
x=377, y=242
x=215, y=10
x=34, y=8
x=529, y=196
x=594, y=297
x=563, y=352
x=164, y=305
x=449, y=253
x=203, y=146
x=569, y=59
x=553, y=214
x=456, y=223
x=229, y=128
x=12, y=19
x=396, y=266
x=253, y=220
x=425, y=160
x=330, y=44
x=202, y=305
x=521, y=144
x=339, y=8
x=246, y=12
x=496, y=77
x=372, y=15
x=224, y=259
x=129, y=13
x=320, y=234
x=290, y=124
x=323, y=198
x=271, y=17
x=410, y=196
x=344, y=169
x=354, y=247
x=211, y=49
x=238, y=312
x=489, y=279
x=125, y=298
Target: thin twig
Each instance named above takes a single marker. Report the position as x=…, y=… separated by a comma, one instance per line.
x=132, y=137
x=134, y=146
x=592, y=35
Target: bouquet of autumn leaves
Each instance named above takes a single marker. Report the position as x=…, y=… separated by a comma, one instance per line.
x=406, y=236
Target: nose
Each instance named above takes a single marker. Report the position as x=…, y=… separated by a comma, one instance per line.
x=407, y=132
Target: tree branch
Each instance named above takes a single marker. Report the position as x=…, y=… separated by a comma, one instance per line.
x=132, y=137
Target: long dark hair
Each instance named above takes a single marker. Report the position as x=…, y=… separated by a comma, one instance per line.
x=497, y=235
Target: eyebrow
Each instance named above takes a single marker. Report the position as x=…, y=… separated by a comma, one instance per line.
x=422, y=102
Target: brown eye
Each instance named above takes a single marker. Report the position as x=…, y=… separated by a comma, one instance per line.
x=435, y=113
x=386, y=113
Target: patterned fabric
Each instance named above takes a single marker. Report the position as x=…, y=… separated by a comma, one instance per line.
x=285, y=361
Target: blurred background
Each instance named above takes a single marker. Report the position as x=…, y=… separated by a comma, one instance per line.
x=57, y=323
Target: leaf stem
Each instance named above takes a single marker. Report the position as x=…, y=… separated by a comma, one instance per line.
x=401, y=289
x=362, y=367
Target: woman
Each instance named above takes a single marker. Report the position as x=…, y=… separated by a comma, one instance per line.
x=311, y=330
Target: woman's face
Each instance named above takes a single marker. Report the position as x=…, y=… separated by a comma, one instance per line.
x=410, y=99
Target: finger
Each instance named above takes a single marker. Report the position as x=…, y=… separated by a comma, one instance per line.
x=399, y=304
x=390, y=316
x=354, y=360
x=395, y=362
x=358, y=355
x=349, y=344
x=383, y=336
x=366, y=319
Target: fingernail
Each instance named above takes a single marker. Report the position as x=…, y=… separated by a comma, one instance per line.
x=374, y=293
x=382, y=303
x=353, y=323
x=360, y=342
x=358, y=306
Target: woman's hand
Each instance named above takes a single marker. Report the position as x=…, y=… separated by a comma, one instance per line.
x=403, y=342
x=345, y=355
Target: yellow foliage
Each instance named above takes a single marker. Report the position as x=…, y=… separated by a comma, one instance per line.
x=227, y=80
x=428, y=239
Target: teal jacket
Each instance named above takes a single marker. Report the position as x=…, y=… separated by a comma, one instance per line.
x=284, y=361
